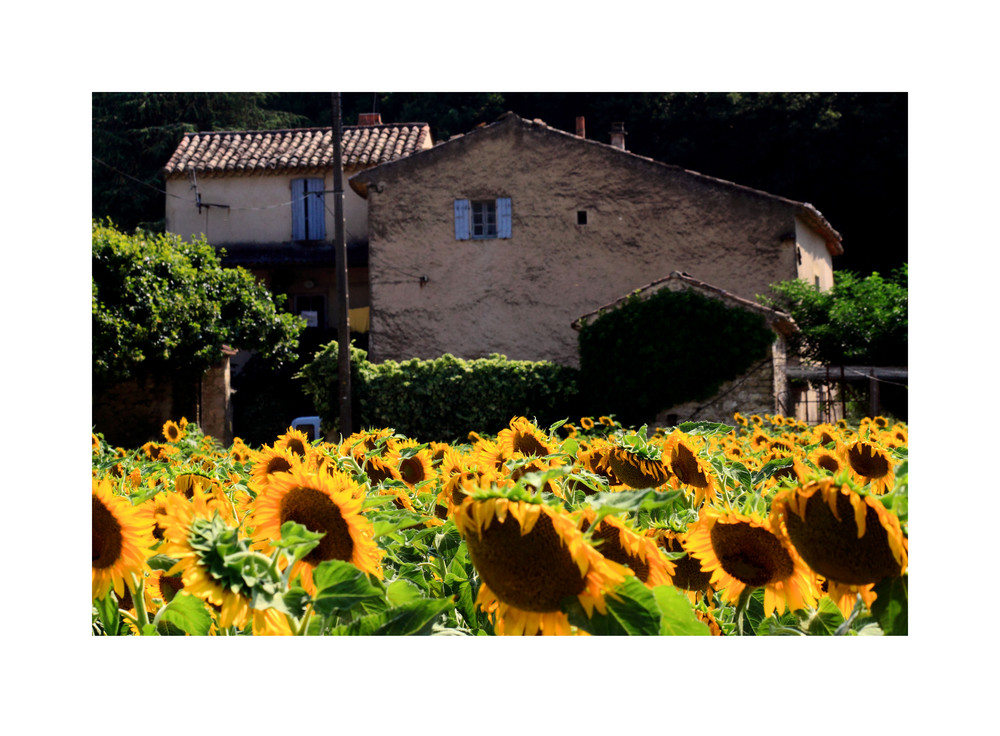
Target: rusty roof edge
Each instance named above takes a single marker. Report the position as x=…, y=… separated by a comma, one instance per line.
x=424, y=134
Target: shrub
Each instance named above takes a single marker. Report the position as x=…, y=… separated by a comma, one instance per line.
x=444, y=398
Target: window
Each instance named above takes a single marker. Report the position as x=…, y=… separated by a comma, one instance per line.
x=581, y=217
x=308, y=212
x=482, y=219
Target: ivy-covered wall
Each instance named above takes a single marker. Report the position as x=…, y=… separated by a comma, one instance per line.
x=667, y=349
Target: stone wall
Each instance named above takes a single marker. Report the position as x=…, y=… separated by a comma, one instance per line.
x=133, y=412
x=761, y=390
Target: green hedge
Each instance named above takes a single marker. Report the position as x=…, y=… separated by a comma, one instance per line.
x=670, y=348
x=442, y=399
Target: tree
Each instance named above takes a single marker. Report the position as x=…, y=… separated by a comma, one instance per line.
x=135, y=133
x=860, y=321
x=162, y=304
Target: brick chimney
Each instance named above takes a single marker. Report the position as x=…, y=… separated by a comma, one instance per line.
x=370, y=118
x=618, y=135
x=581, y=129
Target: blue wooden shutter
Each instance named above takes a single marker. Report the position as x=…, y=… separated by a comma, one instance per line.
x=315, y=214
x=462, y=216
x=298, y=209
x=503, y=217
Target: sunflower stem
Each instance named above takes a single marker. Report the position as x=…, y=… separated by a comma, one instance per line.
x=139, y=600
x=742, y=625
x=304, y=626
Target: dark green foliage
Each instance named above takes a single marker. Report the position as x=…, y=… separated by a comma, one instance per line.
x=135, y=133
x=445, y=398
x=162, y=304
x=860, y=321
x=672, y=347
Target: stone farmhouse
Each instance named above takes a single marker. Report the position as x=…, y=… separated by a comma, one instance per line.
x=499, y=239
x=496, y=241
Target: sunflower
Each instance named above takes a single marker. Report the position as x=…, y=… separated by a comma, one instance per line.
x=269, y=463
x=595, y=460
x=379, y=470
x=824, y=434
x=294, y=440
x=324, y=502
x=270, y=622
x=239, y=451
x=520, y=465
x=689, y=468
x=487, y=454
x=523, y=437
x=193, y=531
x=634, y=469
x=687, y=574
x=530, y=556
x=587, y=423
x=745, y=552
x=869, y=463
x=121, y=538
x=158, y=451
x=172, y=432
x=607, y=421
x=360, y=444
x=759, y=440
x=623, y=545
x=412, y=462
x=464, y=483
x=828, y=461
x=850, y=539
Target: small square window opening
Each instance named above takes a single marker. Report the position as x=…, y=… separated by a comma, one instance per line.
x=581, y=217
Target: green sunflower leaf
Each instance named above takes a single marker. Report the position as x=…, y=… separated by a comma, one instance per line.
x=161, y=562
x=633, y=613
x=188, y=613
x=402, y=591
x=107, y=610
x=625, y=502
x=890, y=607
x=824, y=620
x=677, y=617
x=340, y=586
x=413, y=619
x=297, y=541
x=705, y=428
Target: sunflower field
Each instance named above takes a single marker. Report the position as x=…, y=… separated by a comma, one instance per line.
x=765, y=526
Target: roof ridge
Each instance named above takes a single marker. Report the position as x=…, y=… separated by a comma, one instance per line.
x=307, y=128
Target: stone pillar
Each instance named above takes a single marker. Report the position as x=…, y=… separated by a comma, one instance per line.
x=216, y=400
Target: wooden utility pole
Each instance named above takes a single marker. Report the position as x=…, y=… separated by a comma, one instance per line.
x=340, y=263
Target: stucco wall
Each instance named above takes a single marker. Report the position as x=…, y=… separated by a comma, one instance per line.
x=518, y=296
x=817, y=263
x=259, y=208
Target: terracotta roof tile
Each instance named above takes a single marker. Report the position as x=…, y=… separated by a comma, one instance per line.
x=222, y=153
